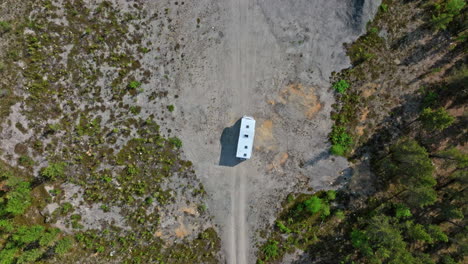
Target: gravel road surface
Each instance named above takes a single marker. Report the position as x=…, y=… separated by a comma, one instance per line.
x=270, y=59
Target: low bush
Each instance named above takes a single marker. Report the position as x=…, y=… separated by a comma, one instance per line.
x=54, y=171
x=176, y=142
x=133, y=85
x=340, y=140
x=4, y=27
x=341, y=86
x=338, y=150
x=63, y=246
x=270, y=249
x=282, y=227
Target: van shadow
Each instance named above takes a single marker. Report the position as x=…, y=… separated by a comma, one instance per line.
x=228, y=140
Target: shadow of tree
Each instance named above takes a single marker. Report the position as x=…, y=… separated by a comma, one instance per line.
x=321, y=156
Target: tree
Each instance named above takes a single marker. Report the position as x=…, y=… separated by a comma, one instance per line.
x=438, y=119
x=449, y=212
x=420, y=196
x=401, y=211
x=417, y=232
x=360, y=241
x=381, y=241
x=436, y=233
x=409, y=164
x=455, y=6
x=447, y=12
x=454, y=157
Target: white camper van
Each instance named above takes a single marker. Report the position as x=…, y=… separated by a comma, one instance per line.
x=246, y=138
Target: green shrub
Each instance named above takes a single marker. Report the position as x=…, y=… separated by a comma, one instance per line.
x=25, y=161
x=135, y=109
x=325, y=210
x=282, y=227
x=100, y=249
x=340, y=140
x=132, y=170
x=384, y=7
x=7, y=256
x=63, y=246
x=66, y=208
x=339, y=136
x=52, y=128
x=18, y=199
x=441, y=21
x=331, y=195
x=4, y=27
x=6, y=225
x=149, y=200
x=133, y=85
x=49, y=237
x=54, y=171
x=338, y=150
x=176, y=142
x=170, y=108
x=430, y=99
x=340, y=215
x=105, y=207
x=28, y=234
x=313, y=204
x=29, y=256
x=341, y=86
x=202, y=208
x=270, y=249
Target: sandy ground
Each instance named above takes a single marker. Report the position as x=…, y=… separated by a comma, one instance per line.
x=270, y=60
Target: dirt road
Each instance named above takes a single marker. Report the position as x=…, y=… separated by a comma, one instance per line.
x=270, y=60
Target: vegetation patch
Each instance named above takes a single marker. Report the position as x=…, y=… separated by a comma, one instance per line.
x=75, y=67
x=298, y=225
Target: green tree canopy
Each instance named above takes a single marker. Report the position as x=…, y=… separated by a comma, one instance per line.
x=409, y=164
x=438, y=119
x=381, y=241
